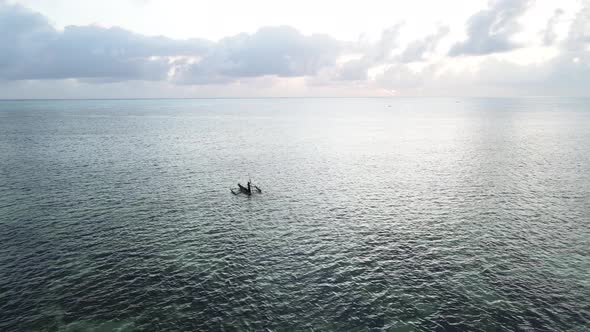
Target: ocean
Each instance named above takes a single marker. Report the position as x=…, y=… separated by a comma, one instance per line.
x=399, y=214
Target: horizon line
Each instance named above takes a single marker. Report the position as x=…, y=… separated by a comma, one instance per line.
x=284, y=97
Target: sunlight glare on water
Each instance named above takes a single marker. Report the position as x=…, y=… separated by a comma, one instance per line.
x=395, y=214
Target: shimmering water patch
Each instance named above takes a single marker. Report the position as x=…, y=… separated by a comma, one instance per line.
x=426, y=215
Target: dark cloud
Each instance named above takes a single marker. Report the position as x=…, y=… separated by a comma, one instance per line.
x=94, y=52
x=36, y=50
x=33, y=49
x=490, y=30
x=281, y=51
x=22, y=34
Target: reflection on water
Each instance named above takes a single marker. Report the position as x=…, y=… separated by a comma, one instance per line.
x=426, y=215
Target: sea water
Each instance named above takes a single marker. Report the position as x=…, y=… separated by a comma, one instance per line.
x=387, y=213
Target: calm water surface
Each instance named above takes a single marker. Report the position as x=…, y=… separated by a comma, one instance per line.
x=377, y=214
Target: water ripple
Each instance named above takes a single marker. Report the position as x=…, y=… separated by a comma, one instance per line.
x=451, y=217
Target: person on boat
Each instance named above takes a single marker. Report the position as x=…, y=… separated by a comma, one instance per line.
x=246, y=190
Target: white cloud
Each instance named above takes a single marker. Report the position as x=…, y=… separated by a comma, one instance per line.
x=549, y=35
x=579, y=33
x=282, y=60
x=419, y=49
x=281, y=51
x=490, y=30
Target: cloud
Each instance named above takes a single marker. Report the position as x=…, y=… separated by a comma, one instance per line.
x=371, y=55
x=354, y=70
x=36, y=50
x=106, y=60
x=381, y=51
x=22, y=33
x=400, y=77
x=419, y=49
x=566, y=74
x=579, y=34
x=490, y=31
x=549, y=35
x=280, y=51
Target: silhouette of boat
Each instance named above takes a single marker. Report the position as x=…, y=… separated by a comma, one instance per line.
x=245, y=190
x=248, y=189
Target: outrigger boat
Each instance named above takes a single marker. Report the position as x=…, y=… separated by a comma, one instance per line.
x=248, y=189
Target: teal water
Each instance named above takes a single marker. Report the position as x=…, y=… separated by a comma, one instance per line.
x=400, y=214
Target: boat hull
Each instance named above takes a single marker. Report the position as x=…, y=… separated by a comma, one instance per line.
x=244, y=190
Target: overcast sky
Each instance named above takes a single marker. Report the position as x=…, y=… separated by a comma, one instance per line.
x=182, y=48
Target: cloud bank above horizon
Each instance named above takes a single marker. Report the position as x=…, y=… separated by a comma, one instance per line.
x=506, y=48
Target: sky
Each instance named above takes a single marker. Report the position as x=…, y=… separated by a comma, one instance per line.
x=263, y=48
